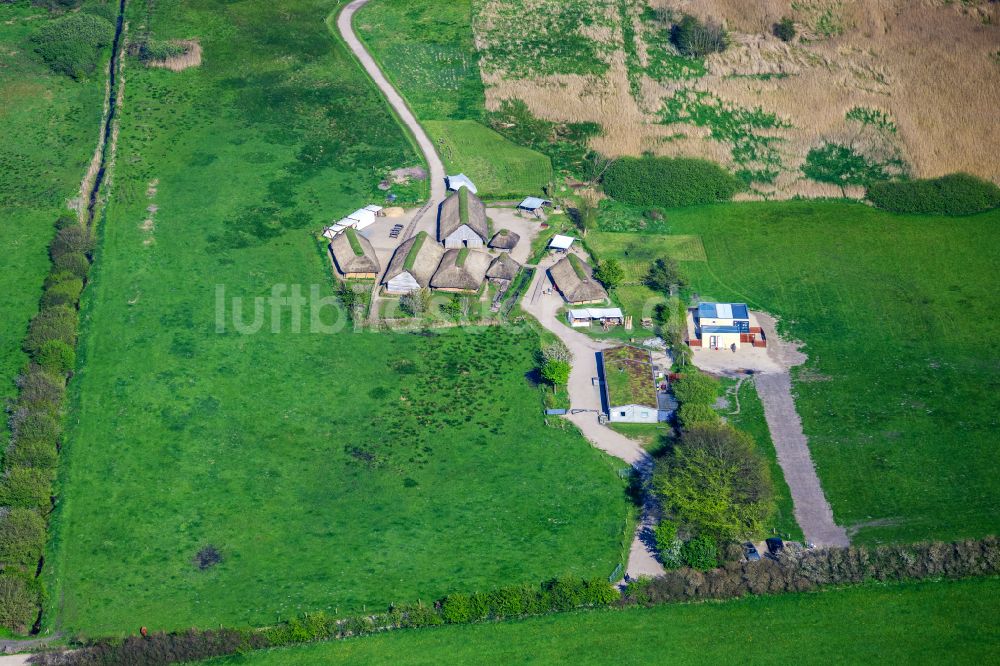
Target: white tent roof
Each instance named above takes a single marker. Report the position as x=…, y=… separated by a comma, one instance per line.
x=461, y=180
x=363, y=216
x=533, y=203
x=373, y=208
x=597, y=313
x=560, y=242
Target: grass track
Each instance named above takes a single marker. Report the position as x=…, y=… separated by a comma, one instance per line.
x=950, y=621
x=331, y=471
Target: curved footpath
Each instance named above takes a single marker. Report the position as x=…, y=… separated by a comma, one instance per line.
x=583, y=395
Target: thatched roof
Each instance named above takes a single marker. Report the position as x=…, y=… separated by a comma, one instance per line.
x=573, y=279
x=463, y=207
x=419, y=256
x=503, y=268
x=354, y=253
x=463, y=269
x=505, y=239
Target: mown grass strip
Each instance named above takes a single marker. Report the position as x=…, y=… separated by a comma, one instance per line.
x=463, y=205
x=462, y=255
x=578, y=268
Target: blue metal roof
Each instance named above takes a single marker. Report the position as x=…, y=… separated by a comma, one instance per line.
x=720, y=329
x=714, y=311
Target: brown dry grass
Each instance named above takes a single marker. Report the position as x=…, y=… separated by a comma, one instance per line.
x=190, y=58
x=897, y=56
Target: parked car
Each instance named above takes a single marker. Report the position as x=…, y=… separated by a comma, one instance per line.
x=775, y=545
x=750, y=552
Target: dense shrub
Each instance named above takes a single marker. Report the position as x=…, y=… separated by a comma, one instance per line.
x=18, y=602
x=700, y=553
x=151, y=49
x=36, y=453
x=56, y=323
x=956, y=194
x=70, y=239
x=784, y=29
x=56, y=356
x=668, y=545
x=664, y=275
x=696, y=388
x=28, y=425
x=697, y=39
x=842, y=165
x=815, y=568
x=40, y=391
x=26, y=487
x=609, y=273
x=22, y=538
x=691, y=415
x=74, y=263
x=72, y=44
x=66, y=292
x=669, y=182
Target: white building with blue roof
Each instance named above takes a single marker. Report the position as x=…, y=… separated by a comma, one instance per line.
x=725, y=326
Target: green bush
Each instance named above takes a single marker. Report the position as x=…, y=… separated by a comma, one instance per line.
x=31, y=426
x=456, y=609
x=19, y=601
x=74, y=263
x=72, y=44
x=694, y=414
x=55, y=323
x=668, y=545
x=39, y=391
x=955, y=194
x=26, y=487
x=65, y=293
x=34, y=453
x=784, y=29
x=700, y=553
x=697, y=39
x=70, y=239
x=56, y=356
x=696, y=388
x=22, y=538
x=609, y=273
x=669, y=182
x=152, y=49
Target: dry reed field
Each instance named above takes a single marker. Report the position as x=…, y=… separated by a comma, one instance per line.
x=910, y=84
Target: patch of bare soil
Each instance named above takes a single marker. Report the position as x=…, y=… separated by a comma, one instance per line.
x=190, y=58
x=405, y=175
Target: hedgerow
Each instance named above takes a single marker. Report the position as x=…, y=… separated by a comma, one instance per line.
x=32, y=454
x=797, y=572
x=669, y=182
x=955, y=194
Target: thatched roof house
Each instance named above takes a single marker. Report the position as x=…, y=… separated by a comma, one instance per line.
x=463, y=220
x=505, y=239
x=354, y=255
x=412, y=265
x=572, y=277
x=503, y=268
x=461, y=270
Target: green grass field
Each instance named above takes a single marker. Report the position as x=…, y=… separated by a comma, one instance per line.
x=899, y=397
x=331, y=471
x=50, y=128
x=948, y=621
x=499, y=168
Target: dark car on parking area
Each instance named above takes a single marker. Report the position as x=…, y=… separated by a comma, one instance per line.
x=775, y=545
x=750, y=552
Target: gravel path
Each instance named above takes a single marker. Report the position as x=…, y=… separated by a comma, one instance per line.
x=584, y=395
x=812, y=511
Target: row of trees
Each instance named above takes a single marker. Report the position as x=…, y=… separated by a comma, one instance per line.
x=35, y=426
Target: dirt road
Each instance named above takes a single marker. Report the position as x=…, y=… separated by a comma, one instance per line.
x=584, y=394
x=437, y=173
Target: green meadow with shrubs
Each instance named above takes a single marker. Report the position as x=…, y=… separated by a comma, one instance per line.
x=210, y=476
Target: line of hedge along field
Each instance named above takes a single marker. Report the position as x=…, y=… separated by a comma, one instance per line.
x=29, y=463
x=791, y=573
